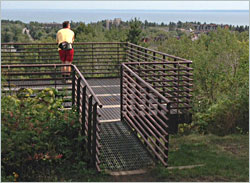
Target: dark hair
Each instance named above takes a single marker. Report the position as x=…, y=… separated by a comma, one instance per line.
x=65, y=24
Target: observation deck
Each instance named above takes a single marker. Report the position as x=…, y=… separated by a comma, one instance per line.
x=129, y=98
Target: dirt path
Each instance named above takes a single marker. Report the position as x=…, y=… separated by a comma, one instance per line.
x=145, y=177
x=27, y=32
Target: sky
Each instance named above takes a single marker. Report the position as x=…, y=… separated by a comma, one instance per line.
x=126, y=5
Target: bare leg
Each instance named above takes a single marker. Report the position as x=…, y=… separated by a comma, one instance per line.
x=68, y=70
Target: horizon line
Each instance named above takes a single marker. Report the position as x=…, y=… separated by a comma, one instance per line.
x=129, y=9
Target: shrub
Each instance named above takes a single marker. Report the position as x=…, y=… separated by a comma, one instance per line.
x=38, y=136
x=221, y=79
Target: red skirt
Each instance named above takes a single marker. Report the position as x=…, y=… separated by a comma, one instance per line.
x=66, y=55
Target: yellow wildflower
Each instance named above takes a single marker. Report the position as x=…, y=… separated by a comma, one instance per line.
x=15, y=176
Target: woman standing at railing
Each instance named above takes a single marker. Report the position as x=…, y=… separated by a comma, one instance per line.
x=65, y=38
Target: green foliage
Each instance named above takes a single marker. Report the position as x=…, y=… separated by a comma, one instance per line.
x=11, y=31
x=40, y=31
x=135, y=30
x=185, y=129
x=220, y=61
x=172, y=26
x=84, y=33
x=116, y=34
x=39, y=138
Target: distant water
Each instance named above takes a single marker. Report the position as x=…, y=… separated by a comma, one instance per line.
x=233, y=17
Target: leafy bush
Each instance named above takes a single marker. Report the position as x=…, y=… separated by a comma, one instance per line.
x=224, y=117
x=221, y=78
x=185, y=129
x=39, y=137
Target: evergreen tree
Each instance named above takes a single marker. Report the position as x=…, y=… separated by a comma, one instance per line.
x=241, y=29
x=135, y=30
x=179, y=24
x=172, y=26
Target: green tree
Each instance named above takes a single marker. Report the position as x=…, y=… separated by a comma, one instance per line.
x=220, y=61
x=135, y=30
x=172, y=26
x=179, y=24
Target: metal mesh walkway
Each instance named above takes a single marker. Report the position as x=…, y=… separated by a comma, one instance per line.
x=108, y=92
x=156, y=95
x=121, y=149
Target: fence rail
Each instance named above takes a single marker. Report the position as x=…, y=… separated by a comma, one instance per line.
x=143, y=109
x=155, y=87
x=75, y=93
x=173, y=79
x=87, y=105
x=136, y=53
x=93, y=59
x=37, y=77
